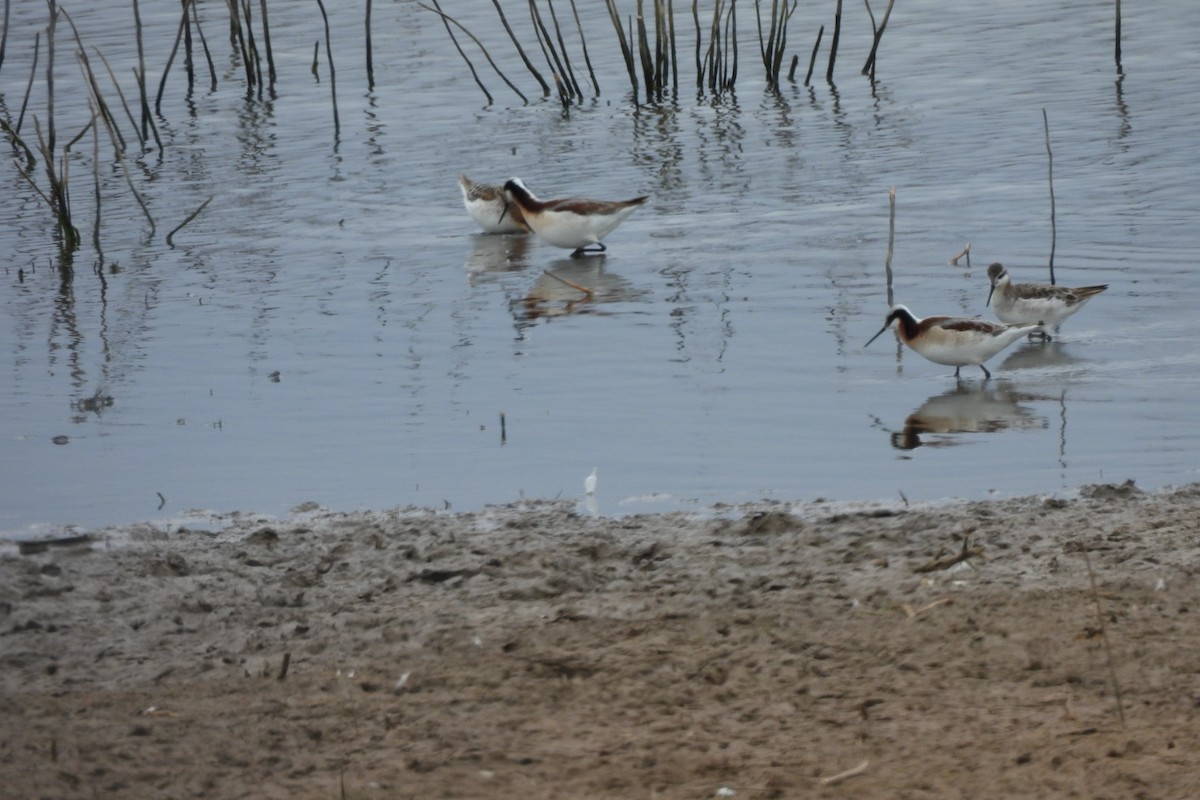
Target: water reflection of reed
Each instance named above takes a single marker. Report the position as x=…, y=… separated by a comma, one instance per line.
x=967, y=408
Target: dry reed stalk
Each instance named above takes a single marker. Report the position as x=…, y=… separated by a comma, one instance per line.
x=562, y=45
x=583, y=45
x=266, y=32
x=1116, y=39
x=553, y=62
x=96, y=188
x=813, y=59
x=238, y=39
x=446, y=20
x=141, y=73
x=4, y=33
x=887, y=264
x=212, y=70
x=252, y=48
x=521, y=52
x=124, y=104
x=94, y=86
x=189, y=218
x=626, y=50
x=370, y=60
x=1050, y=172
x=869, y=65
x=833, y=44
x=37, y=44
x=1112, y=670
x=162, y=82
x=337, y=125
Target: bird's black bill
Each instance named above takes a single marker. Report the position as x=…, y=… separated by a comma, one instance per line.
x=876, y=336
x=991, y=291
x=503, y=212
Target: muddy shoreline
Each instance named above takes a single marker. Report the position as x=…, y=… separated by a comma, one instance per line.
x=774, y=650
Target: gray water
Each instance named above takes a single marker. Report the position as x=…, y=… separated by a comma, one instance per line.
x=722, y=359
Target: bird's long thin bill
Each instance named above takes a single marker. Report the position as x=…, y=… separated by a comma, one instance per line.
x=991, y=291
x=503, y=212
x=876, y=336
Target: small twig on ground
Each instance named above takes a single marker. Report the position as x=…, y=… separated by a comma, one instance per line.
x=945, y=562
x=1112, y=671
x=913, y=613
x=850, y=773
x=966, y=251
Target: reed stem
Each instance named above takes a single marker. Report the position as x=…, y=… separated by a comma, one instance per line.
x=521, y=52
x=1050, y=173
x=370, y=60
x=833, y=44
x=337, y=125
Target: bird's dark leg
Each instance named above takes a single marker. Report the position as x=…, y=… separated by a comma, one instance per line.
x=956, y=369
x=580, y=251
x=988, y=375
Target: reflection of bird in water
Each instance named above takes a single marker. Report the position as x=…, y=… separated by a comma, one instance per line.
x=574, y=223
x=1034, y=302
x=570, y=286
x=489, y=207
x=953, y=341
x=965, y=409
x=498, y=253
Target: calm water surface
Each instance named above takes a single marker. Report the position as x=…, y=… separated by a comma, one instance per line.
x=332, y=328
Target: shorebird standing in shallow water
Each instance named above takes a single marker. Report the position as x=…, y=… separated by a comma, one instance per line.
x=574, y=223
x=954, y=341
x=489, y=207
x=1034, y=302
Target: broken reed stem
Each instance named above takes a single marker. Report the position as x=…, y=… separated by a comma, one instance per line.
x=583, y=44
x=162, y=82
x=37, y=43
x=625, y=52
x=190, y=217
x=337, y=125
x=4, y=33
x=93, y=85
x=887, y=264
x=812, y=60
x=1112, y=671
x=1050, y=172
x=212, y=70
x=869, y=66
x=370, y=60
x=554, y=63
x=238, y=40
x=266, y=30
x=141, y=76
x=525, y=58
x=96, y=184
x=112, y=76
x=1116, y=38
x=446, y=20
x=833, y=44
x=562, y=45
x=252, y=48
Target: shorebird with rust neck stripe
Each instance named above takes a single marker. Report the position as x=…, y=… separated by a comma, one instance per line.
x=489, y=207
x=575, y=223
x=954, y=341
x=1030, y=302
